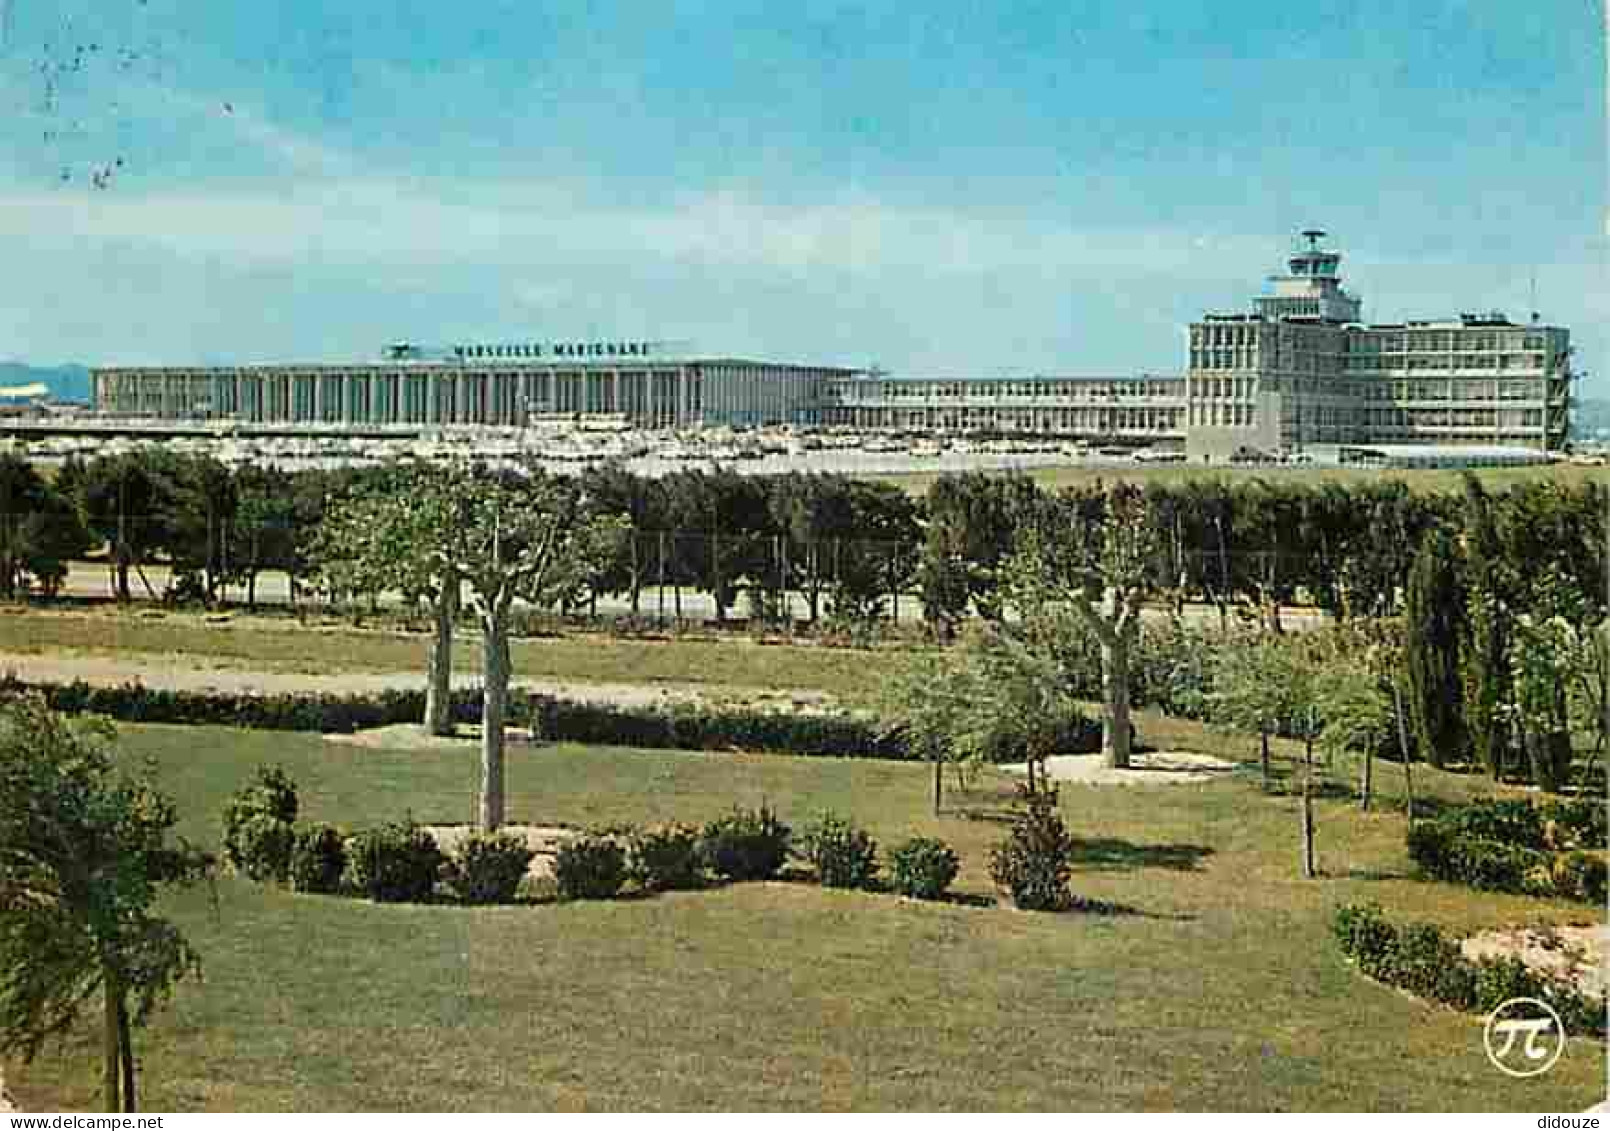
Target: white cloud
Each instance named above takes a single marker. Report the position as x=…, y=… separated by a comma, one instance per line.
x=377, y=220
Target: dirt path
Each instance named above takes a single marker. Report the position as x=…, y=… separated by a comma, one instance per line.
x=63, y=667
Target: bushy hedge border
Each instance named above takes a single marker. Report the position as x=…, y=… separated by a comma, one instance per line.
x=1420, y=958
x=1517, y=846
x=680, y=727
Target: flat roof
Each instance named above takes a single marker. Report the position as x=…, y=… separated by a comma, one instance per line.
x=468, y=365
x=1064, y=378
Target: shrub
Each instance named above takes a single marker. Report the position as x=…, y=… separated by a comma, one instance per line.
x=1421, y=959
x=923, y=868
x=258, y=831
x=590, y=867
x=1365, y=936
x=1512, y=822
x=1491, y=866
x=843, y=855
x=746, y=844
x=394, y=863
x=488, y=868
x=1424, y=961
x=1581, y=875
x=665, y=857
x=259, y=846
x=1579, y=823
x=1430, y=846
x=1033, y=862
x=318, y=858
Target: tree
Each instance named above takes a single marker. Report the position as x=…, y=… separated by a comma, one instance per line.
x=127, y=500
x=1354, y=665
x=1093, y=555
x=1253, y=688
x=1488, y=584
x=203, y=503
x=922, y=702
x=1269, y=527
x=40, y=529
x=993, y=698
x=1433, y=603
x=263, y=534
x=515, y=535
x=612, y=490
x=972, y=524
x=730, y=521
x=396, y=533
x=1544, y=652
x=84, y=855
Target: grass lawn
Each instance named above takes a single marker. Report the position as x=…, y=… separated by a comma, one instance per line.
x=1220, y=989
x=280, y=644
x=1421, y=481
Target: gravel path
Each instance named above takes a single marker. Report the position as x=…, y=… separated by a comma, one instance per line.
x=1154, y=767
x=64, y=667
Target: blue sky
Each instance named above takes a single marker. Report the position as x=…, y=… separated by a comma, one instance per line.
x=939, y=188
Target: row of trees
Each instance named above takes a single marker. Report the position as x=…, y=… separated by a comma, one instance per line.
x=214, y=526
x=844, y=546
x=1507, y=646
x=1489, y=654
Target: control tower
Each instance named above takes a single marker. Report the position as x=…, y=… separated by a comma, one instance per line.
x=1313, y=289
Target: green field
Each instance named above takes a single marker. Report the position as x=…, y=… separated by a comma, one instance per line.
x=1219, y=989
x=1420, y=481
x=279, y=644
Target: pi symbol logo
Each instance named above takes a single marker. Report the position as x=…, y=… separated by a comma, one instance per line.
x=1524, y=1037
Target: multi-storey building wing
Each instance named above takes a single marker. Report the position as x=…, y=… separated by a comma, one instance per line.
x=1130, y=408
x=1301, y=369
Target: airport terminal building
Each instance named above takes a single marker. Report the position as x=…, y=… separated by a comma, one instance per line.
x=1302, y=369
x=1299, y=368
x=503, y=384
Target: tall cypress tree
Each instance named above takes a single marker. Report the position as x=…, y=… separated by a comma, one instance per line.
x=1433, y=602
x=1485, y=647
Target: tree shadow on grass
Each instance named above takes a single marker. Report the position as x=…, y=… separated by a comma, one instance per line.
x=1375, y=875
x=1079, y=905
x=1109, y=854
x=1076, y=905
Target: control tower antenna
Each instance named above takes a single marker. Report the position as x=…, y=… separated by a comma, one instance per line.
x=1313, y=236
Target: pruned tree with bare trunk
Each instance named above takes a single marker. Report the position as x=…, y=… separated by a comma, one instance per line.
x=395, y=536
x=1097, y=556
x=516, y=536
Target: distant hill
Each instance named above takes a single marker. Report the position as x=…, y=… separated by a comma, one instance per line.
x=65, y=382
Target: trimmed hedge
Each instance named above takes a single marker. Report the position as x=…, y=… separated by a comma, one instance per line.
x=329, y=714
x=1420, y=958
x=558, y=720
x=1515, y=846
